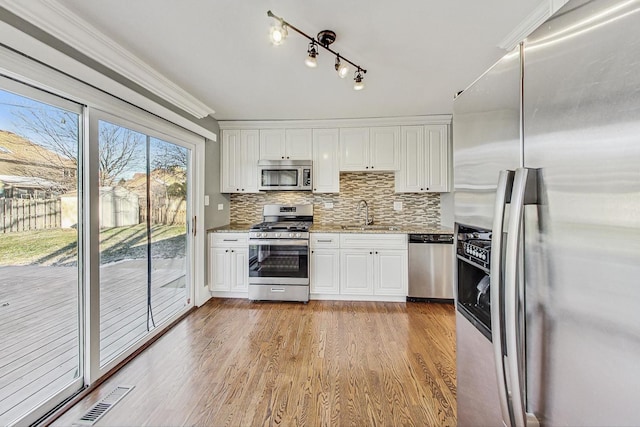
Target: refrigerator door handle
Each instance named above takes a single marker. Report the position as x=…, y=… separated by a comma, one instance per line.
x=503, y=196
x=524, y=193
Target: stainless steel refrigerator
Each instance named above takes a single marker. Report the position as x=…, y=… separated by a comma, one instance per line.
x=547, y=208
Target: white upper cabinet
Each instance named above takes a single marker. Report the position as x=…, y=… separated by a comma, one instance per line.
x=298, y=144
x=239, y=158
x=354, y=149
x=289, y=144
x=326, y=168
x=370, y=149
x=384, y=148
x=424, y=160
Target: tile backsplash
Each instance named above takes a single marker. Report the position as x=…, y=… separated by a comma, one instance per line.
x=376, y=188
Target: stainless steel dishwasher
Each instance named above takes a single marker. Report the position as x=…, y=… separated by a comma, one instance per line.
x=430, y=267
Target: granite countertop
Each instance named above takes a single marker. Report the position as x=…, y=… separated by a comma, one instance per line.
x=237, y=227
x=403, y=229
x=234, y=227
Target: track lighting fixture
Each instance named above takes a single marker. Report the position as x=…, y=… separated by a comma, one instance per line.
x=324, y=39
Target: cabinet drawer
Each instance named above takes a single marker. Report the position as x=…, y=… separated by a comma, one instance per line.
x=324, y=240
x=377, y=241
x=228, y=239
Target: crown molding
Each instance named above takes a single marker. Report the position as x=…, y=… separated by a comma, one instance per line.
x=73, y=86
x=530, y=23
x=436, y=119
x=60, y=22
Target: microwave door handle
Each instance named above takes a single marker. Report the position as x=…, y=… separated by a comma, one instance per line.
x=503, y=196
x=524, y=193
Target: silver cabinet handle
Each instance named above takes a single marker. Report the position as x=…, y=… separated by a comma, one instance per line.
x=524, y=193
x=324, y=241
x=277, y=289
x=503, y=196
x=229, y=240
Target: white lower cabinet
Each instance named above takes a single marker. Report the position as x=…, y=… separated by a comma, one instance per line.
x=359, y=266
x=229, y=264
x=325, y=264
x=356, y=276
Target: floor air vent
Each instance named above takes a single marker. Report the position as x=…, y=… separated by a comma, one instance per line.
x=99, y=409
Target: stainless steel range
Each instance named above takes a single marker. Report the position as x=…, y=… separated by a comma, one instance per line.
x=279, y=254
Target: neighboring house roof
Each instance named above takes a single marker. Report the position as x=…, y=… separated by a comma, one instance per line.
x=27, y=182
x=17, y=154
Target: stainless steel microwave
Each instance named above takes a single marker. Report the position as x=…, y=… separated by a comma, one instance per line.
x=284, y=175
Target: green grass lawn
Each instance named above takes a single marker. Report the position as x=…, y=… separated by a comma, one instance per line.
x=59, y=246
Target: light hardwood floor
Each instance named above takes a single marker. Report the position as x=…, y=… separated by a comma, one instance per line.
x=237, y=363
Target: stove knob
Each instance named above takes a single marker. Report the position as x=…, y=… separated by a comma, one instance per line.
x=291, y=234
x=277, y=234
x=298, y=235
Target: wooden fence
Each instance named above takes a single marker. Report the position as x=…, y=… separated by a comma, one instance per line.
x=29, y=214
x=165, y=212
x=39, y=214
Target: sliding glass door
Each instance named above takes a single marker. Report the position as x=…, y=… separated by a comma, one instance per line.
x=143, y=206
x=40, y=294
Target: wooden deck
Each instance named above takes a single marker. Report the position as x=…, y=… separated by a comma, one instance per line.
x=39, y=350
x=328, y=363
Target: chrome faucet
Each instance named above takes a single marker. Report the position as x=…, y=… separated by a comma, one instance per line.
x=367, y=220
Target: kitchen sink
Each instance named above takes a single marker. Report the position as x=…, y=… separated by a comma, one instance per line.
x=375, y=227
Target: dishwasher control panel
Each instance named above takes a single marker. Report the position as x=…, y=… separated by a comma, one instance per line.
x=431, y=238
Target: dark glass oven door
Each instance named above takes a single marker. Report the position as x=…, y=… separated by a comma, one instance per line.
x=284, y=262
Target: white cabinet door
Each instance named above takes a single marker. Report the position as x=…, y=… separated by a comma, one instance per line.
x=239, y=269
x=248, y=171
x=384, y=148
x=219, y=269
x=325, y=271
x=354, y=149
x=272, y=144
x=356, y=270
x=239, y=161
x=390, y=272
x=326, y=167
x=410, y=177
x=298, y=143
x=437, y=159
x=228, y=175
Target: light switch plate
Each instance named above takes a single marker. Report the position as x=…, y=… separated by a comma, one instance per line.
x=328, y=205
x=220, y=206
x=397, y=206
x=206, y=200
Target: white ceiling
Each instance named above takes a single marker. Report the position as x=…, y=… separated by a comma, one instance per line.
x=418, y=53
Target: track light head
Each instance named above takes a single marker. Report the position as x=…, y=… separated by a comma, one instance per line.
x=278, y=33
x=358, y=83
x=341, y=68
x=311, y=61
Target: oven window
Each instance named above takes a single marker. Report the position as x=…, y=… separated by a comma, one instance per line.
x=473, y=293
x=279, y=178
x=279, y=261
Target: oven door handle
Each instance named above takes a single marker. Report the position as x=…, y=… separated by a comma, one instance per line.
x=503, y=196
x=278, y=242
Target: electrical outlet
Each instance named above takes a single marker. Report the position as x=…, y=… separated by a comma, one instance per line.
x=220, y=206
x=397, y=206
x=206, y=200
x=328, y=205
